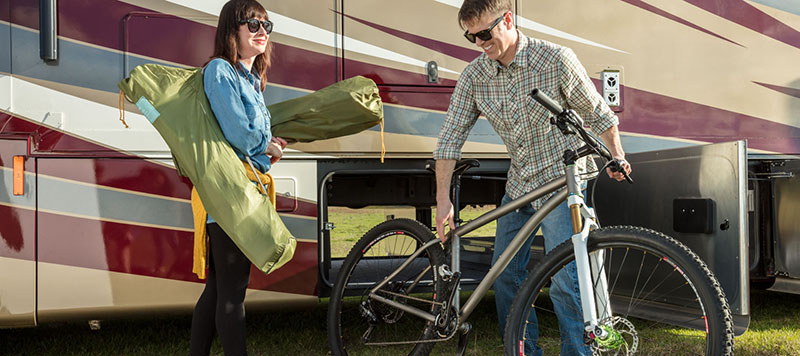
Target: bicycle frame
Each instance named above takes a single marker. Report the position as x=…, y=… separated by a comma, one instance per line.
x=583, y=220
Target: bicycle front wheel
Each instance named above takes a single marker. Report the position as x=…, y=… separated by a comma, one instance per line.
x=653, y=296
x=359, y=325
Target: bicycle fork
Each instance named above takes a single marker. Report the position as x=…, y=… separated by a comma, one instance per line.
x=595, y=301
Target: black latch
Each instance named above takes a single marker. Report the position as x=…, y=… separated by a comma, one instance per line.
x=432, y=69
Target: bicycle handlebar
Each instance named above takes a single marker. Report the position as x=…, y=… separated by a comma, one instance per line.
x=548, y=103
x=573, y=120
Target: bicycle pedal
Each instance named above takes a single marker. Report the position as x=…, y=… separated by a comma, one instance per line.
x=367, y=334
x=465, y=331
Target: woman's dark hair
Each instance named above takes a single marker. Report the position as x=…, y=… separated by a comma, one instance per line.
x=226, y=41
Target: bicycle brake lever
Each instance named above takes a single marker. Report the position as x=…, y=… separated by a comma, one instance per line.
x=616, y=166
x=627, y=177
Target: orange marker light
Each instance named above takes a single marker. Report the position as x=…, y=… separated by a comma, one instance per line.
x=19, y=175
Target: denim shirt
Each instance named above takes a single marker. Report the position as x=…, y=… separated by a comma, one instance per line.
x=238, y=104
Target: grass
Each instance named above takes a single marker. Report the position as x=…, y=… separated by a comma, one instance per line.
x=774, y=330
x=351, y=224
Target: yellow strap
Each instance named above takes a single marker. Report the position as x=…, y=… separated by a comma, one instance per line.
x=122, y=110
x=266, y=179
x=383, y=147
x=200, y=259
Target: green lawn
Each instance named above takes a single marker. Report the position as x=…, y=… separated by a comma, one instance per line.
x=774, y=330
x=351, y=224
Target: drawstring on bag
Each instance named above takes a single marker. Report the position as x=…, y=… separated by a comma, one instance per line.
x=122, y=110
x=383, y=147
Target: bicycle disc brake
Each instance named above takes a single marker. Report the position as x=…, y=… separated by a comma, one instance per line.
x=615, y=335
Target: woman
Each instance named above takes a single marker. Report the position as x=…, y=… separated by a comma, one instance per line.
x=234, y=81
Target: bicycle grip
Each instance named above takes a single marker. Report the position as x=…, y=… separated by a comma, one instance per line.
x=616, y=166
x=545, y=100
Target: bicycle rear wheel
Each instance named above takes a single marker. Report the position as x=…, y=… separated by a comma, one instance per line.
x=663, y=298
x=352, y=316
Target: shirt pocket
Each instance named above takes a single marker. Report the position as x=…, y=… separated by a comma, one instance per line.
x=252, y=111
x=491, y=108
x=494, y=113
x=252, y=108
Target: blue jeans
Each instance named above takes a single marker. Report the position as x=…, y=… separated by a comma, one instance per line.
x=564, y=292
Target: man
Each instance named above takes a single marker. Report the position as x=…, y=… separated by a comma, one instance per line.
x=497, y=85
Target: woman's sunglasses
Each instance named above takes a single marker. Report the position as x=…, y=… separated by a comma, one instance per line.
x=484, y=35
x=253, y=25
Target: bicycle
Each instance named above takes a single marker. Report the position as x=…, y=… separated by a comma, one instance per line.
x=621, y=269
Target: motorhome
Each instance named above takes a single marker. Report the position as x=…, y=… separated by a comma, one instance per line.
x=95, y=222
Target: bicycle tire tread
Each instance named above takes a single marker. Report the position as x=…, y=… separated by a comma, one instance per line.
x=721, y=307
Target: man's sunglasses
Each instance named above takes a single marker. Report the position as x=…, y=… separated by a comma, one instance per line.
x=253, y=25
x=484, y=35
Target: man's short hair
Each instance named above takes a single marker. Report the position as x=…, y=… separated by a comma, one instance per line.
x=472, y=10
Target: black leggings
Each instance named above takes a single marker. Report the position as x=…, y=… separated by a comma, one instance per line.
x=221, y=306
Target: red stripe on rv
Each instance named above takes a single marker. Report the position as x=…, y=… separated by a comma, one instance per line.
x=17, y=233
x=660, y=115
x=153, y=252
x=134, y=174
x=90, y=21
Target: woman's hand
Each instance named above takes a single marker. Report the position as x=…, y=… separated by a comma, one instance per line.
x=279, y=141
x=275, y=149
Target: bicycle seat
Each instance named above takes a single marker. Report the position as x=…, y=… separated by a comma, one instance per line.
x=463, y=165
x=460, y=168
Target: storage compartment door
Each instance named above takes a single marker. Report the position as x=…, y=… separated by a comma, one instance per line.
x=17, y=233
x=698, y=196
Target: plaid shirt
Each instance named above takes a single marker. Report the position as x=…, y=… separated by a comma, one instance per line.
x=501, y=94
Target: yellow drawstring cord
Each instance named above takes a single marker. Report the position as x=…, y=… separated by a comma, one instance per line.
x=122, y=110
x=383, y=147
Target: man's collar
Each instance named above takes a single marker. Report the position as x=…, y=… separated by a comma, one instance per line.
x=521, y=56
x=492, y=67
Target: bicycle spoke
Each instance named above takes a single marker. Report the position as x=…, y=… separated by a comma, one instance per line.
x=660, y=306
x=360, y=324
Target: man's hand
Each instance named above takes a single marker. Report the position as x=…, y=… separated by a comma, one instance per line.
x=444, y=213
x=618, y=175
x=611, y=138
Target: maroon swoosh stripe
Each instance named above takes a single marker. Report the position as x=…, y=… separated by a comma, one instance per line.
x=5, y=12
x=784, y=90
x=659, y=115
x=143, y=176
x=662, y=13
x=153, y=252
x=89, y=21
x=133, y=174
x=47, y=139
x=461, y=53
x=83, y=20
x=749, y=16
x=17, y=233
x=304, y=208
